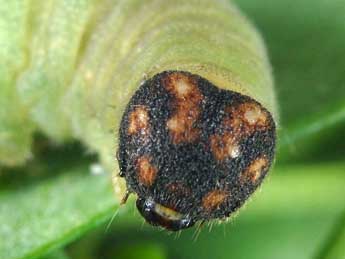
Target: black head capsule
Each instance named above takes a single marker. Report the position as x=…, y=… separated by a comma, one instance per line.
x=191, y=151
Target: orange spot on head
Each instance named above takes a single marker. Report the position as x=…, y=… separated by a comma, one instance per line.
x=246, y=118
x=212, y=200
x=255, y=170
x=224, y=146
x=180, y=84
x=139, y=121
x=239, y=122
x=254, y=115
x=186, y=105
x=147, y=172
x=181, y=129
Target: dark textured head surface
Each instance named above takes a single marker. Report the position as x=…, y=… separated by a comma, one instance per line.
x=192, y=151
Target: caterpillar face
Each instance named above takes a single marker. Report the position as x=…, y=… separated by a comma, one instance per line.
x=191, y=151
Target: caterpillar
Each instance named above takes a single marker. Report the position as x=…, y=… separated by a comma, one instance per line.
x=176, y=97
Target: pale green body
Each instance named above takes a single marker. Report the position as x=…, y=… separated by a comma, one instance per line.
x=69, y=67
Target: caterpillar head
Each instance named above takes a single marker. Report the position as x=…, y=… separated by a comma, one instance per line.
x=191, y=151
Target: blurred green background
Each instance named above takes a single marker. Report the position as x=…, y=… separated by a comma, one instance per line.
x=55, y=208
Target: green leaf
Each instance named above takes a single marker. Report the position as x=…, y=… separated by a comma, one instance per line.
x=58, y=201
x=59, y=254
x=336, y=247
x=142, y=250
